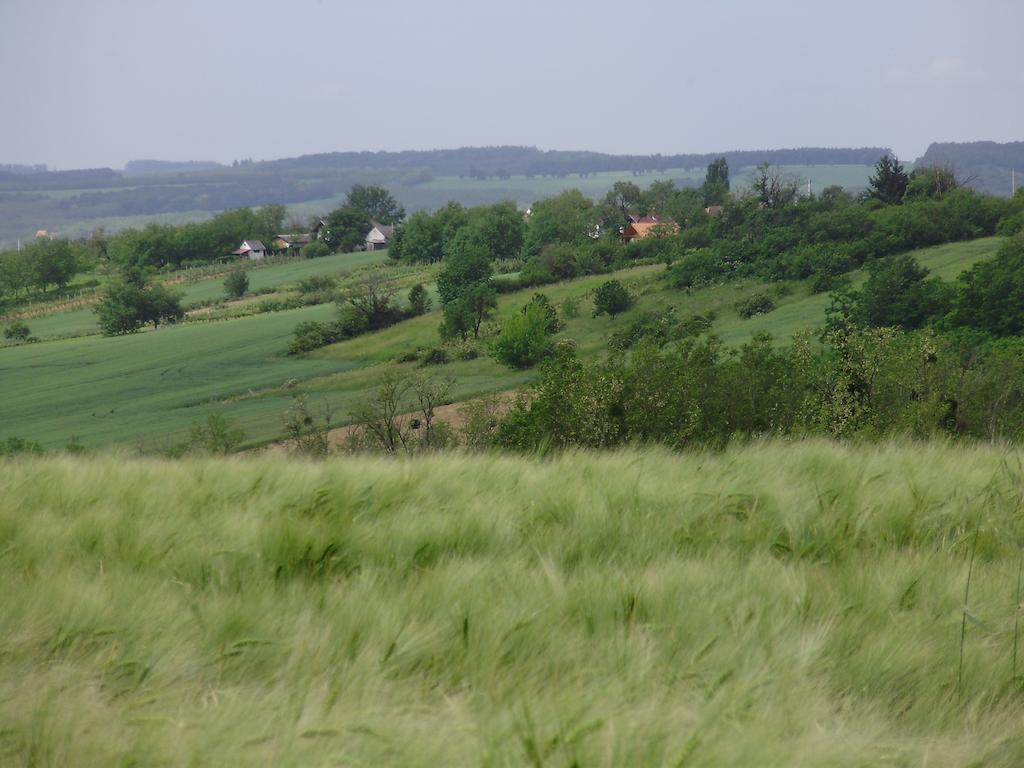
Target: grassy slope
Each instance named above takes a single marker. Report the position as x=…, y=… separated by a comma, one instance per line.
x=148, y=389
x=779, y=604
x=82, y=322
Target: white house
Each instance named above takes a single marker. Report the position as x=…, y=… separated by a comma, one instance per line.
x=252, y=249
x=378, y=237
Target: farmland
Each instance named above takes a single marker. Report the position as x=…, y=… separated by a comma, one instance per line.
x=778, y=604
x=147, y=390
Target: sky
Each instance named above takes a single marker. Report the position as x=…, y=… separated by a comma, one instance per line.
x=94, y=83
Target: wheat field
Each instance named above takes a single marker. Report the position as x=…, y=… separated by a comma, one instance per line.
x=776, y=604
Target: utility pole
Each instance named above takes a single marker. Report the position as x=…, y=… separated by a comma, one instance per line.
x=1013, y=182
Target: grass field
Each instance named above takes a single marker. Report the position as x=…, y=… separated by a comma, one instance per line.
x=148, y=389
x=778, y=604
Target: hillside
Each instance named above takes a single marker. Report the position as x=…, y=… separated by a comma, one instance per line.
x=986, y=164
x=778, y=604
x=146, y=390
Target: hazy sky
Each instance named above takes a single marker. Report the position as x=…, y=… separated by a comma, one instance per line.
x=88, y=83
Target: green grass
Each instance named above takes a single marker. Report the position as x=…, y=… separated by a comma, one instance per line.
x=778, y=604
x=82, y=322
x=147, y=390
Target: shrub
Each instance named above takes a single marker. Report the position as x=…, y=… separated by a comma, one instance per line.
x=524, y=339
x=570, y=307
x=218, y=434
x=419, y=300
x=316, y=249
x=545, y=305
x=611, y=298
x=17, y=331
x=757, y=304
x=435, y=356
x=236, y=284
x=317, y=283
x=14, y=446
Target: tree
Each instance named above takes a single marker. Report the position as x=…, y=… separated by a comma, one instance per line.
x=372, y=298
x=375, y=203
x=467, y=313
x=569, y=217
x=932, y=181
x=51, y=262
x=130, y=304
x=611, y=298
x=625, y=197
x=419, y=300
x=466, y=262
x=772, y=187
x=896, y=294
x=889, y=182
x=524, y=339
x=990, y=295
x=345, y=229
x=716, y=182
x=500, y=228
x=236, y=284
x=419, y=240
x=553, y=324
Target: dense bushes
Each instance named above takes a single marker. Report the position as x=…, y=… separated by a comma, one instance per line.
x=867, y=383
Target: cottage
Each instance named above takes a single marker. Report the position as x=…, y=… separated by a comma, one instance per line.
x=379, y=236
x=292, y=245
x=252, y=249
x=640, y=227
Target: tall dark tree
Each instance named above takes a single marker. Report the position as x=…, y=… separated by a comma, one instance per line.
x=345, y=229
x=889, y=182
x=376, y=202
x=716, y=182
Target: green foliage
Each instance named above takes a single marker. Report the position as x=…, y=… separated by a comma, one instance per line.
x=524, y=340
x=499, y=228
x=316, y=250
x=474, y=305
x=236, y=284
x=755, y=304
x=375, y=203
x=345, y=229
x=129, y=304
x=716, y=183
x=419, y=240
x=889, y=183
x=467, y=263
x=307, y=428
x=17, y=331
x=990, y=296
x=419, y=300
x=218, y=434
x=611, y=298
x=897, y=293
x=565, y=218
x=19, y=446
x=553, y=324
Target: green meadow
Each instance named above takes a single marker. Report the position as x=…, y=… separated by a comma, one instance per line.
x=775, y=604
x=147, y=389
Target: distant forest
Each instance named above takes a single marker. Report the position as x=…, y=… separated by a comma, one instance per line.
x=33, y=197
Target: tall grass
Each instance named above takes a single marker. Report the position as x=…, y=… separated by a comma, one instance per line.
x=778, y=604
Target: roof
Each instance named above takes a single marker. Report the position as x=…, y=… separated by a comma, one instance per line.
x=302, y=239
x=250, y=245
x=641, y=226
x=386, y=230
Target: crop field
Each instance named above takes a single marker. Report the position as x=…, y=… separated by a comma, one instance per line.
x=146, y=390
x=777, y=604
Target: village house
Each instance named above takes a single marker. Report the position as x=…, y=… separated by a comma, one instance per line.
x=640, y=227
x=254, y=250
x=290, y=245
x=379, y=236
